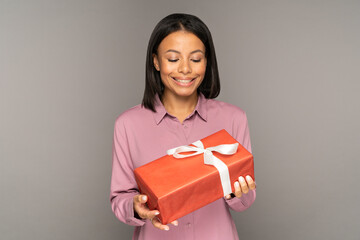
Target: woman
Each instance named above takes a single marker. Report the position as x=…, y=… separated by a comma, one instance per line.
x=178, y=108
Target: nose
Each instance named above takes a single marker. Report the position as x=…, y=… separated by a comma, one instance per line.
x=184, y=67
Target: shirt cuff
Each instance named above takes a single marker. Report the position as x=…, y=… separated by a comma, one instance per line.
x=242, y=203
x=130, y=218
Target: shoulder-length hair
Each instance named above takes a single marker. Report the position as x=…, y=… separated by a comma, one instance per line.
x=210, y=86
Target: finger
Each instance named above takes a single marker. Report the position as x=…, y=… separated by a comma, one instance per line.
x=243, y=185
x=250, y=182
x=175, y=223
x=152, y=214
x=140, y=198
x=155, y=221
x=228, y=196
x=142, y=210
x=238, y=192
x=145, y=213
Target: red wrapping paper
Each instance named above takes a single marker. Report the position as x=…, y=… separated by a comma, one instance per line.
x=176, y=187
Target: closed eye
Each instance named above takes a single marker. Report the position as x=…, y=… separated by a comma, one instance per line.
x=173, y=60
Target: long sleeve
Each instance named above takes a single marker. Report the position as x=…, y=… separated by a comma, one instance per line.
x=123, y=185
x=242, y=135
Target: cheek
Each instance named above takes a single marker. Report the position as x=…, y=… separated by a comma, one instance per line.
x=201, y=70
x=166, y=69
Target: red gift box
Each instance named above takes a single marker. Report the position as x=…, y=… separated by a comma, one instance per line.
x=178, y=186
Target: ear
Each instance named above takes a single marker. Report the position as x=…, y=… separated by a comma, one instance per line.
x=156, y=62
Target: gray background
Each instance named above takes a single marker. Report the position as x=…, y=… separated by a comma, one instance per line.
x=69, y=68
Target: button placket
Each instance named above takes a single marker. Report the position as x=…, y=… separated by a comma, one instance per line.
x=187, y=126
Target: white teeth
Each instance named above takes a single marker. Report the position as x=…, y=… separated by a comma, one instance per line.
x=182, y=81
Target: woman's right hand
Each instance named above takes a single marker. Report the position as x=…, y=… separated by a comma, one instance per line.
x=145, y=213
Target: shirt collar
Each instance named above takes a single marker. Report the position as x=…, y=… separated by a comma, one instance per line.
x=161, y=112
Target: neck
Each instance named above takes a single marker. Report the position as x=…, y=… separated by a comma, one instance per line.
x=178, y=106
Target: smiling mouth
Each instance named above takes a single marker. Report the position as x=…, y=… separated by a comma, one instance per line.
x=182, y=80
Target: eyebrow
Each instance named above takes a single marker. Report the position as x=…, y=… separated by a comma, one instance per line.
x=172, y=50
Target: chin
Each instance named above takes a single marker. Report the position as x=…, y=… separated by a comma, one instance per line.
x=186, y=94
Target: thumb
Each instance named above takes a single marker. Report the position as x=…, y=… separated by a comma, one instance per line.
x=142, y=198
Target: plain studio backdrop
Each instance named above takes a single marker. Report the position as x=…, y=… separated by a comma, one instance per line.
x=69, y=68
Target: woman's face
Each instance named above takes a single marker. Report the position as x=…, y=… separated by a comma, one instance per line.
x=181, y=61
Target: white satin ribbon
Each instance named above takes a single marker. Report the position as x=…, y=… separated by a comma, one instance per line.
x=210, y=159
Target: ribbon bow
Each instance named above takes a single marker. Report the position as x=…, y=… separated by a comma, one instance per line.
x=210, y=159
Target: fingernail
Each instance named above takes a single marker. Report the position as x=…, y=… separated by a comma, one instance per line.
x=157, y=213
x=176, y=223
x=166, y=228
x=144, y=198
x=237, y=184
x=242, y=179
x=227, y=196
x=248, y=178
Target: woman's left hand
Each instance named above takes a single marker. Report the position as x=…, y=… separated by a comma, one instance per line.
x=242, y=186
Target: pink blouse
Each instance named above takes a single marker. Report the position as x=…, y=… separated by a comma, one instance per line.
x=141, y=136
